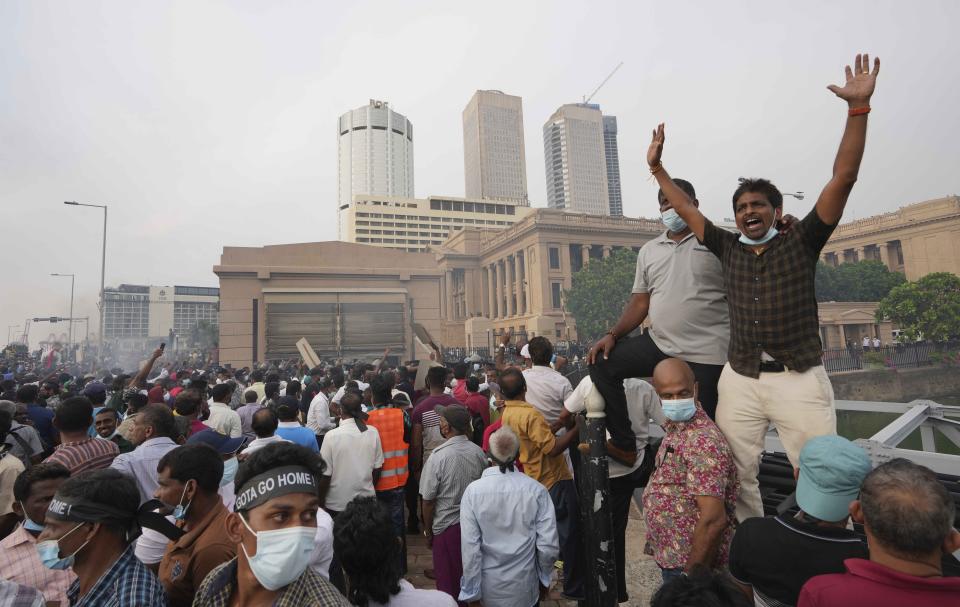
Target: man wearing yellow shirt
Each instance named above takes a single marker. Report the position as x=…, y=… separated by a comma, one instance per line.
x=541, y=454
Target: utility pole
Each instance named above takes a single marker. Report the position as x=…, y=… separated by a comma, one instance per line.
x=595, y=491
x=70, y=330
x=103, y=269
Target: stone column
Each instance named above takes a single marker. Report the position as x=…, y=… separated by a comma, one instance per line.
x=861, y=253
x=585, y=254
x=491, y=293
x=469, y=276
x=519, y=274
x=606, y=251
x=885, y=255
x=451, y=310
x=511, y=281
x=527, y=266
x=502, y=287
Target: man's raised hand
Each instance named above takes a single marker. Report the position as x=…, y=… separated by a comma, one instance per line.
x=860, y=82
x=656, y=146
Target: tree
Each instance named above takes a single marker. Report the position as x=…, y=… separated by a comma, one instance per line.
x=599, y=292
x=861, y=281
x=929, y=307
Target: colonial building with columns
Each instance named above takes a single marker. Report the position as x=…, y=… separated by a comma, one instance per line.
x=916, y=239
x=514, y=278
x=352, y=300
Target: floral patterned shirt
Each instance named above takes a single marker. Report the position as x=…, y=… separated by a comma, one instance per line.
x=693, y=460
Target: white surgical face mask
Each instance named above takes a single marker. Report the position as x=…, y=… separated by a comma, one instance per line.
x=282, y=555
x=673, y=221
x=763, y=240
x=679, y=410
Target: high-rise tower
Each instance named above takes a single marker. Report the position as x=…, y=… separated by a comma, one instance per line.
x=375, y=153
x=576, y=161
x=493, y=150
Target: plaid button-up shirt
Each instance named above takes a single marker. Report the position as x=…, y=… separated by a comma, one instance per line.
x=308, y=589
x=127, y=583
x=773, y=306
x=20, y=563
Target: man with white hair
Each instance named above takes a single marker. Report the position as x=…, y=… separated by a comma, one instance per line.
x=508, y=532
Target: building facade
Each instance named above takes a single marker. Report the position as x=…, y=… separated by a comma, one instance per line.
x=142, y=313
x=514, y=279
x=494, y=157
x=612, y=154
x=347, y=300
x=350, y=300
x=916, y=239
x=413, y=224
x=574, y=150
x=374, y=153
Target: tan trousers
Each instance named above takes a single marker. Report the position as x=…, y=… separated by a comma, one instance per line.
x=799, y=405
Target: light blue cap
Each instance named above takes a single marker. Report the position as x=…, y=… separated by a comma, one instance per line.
x=831, y=472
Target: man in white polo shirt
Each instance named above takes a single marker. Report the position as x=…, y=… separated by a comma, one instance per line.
x=679, y=285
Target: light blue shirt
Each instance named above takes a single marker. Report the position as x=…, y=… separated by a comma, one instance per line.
x=295, y=433
x=508, y=539
x=141, y=464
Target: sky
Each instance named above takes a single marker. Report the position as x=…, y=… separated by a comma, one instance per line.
x=204, y=124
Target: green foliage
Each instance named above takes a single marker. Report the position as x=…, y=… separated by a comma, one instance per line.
x=861, y=281
x=600, y=291
x=929, y=307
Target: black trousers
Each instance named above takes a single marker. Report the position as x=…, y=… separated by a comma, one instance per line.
x=636, y=357
x=563, y=494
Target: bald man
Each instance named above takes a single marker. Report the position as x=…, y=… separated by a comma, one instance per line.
x=691, y=498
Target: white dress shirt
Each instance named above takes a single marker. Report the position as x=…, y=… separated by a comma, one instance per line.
x=643, y=404
x=141, y=464
x=224, y=420
x=343, y=390
x=415, y=597
x=546, y=391
x=318, y=414
x=323, y=545
x=260, y=443
x=351, y=457
x=509, y=541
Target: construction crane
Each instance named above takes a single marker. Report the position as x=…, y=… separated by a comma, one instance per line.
x=586, y=99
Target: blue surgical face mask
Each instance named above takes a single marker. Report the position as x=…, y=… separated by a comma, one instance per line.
x=180, y=511
x=282, y=555
x=766, y=238
x=679, y=410
x=28, y=523
x=673, y=221
x=229, y=471
x=49, y=552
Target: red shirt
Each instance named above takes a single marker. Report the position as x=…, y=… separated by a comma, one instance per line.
x=86, y=454
x=479, y=404
x=869, y=584
x=197, y=426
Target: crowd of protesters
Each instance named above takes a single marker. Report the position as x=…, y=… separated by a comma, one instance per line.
x=290, y=485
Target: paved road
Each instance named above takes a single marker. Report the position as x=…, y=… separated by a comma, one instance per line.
x=643, y=576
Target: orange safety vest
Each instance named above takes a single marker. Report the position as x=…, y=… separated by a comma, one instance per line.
x=389, y=423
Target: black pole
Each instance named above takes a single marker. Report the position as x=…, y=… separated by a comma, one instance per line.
x=601, y=570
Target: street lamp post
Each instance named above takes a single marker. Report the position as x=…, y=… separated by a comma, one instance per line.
x=70, y=329
x=103, y=268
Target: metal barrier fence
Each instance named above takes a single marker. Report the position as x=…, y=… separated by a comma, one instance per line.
x=895, y=356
